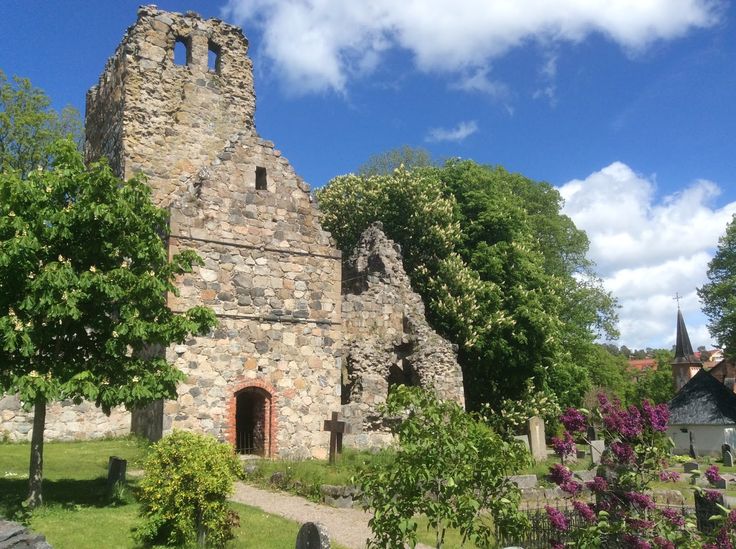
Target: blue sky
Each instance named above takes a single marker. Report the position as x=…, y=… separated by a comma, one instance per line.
x=629, y=107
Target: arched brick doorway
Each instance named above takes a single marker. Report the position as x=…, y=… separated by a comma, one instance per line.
x=253, y=421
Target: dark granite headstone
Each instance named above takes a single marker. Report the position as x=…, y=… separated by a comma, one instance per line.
x=312, y=535
x=591, y=434
x=691, y=466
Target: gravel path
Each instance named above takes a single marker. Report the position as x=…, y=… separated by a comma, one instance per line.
x=348, y=527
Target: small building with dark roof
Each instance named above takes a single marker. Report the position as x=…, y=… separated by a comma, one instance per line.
x=703, y=413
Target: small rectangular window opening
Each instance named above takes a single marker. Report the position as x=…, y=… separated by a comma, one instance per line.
x=182, y=51
x=213, y=57
x=261, y=184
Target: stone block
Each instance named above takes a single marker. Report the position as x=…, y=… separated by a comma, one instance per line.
x=691, y=466
x=524, y=481
x=597, y=448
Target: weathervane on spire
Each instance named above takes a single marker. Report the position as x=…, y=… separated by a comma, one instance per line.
x=677, y=298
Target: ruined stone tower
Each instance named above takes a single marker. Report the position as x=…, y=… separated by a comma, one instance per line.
x=285, y=353
x=269, y=374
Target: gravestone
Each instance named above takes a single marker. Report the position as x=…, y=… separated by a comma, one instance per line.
x=722, y=484
x=524, y=482
x=337, y=429
x=524, y=439
x=116, y=470
x=591, y=434
x=537, y=443
x=704, y=509
x=312, y=535
x=727, y=455
x=691, y=466
x=596, y=451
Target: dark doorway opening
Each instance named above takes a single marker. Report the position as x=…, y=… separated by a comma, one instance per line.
x=252, y=422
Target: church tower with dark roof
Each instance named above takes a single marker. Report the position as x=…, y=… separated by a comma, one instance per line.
x=685, y=364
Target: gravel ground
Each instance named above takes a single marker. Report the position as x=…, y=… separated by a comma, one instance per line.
x=348, y=527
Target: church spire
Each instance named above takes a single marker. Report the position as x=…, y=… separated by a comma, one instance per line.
x=683, y=348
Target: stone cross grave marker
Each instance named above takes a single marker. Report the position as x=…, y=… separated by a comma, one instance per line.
x=312, y=535
x=727, y=454
x=537, y=442
x=337, y=429
x=596, y=451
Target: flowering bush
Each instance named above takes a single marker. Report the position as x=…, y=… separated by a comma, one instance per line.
x=621, y=512
x=511, y=417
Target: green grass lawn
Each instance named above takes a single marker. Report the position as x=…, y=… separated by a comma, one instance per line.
x=79, y=514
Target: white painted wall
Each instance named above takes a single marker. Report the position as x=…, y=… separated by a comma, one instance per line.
x=707, y=439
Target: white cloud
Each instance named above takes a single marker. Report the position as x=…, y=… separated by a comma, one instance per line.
x=647, y=249
x=319, y=44
x=457, y=134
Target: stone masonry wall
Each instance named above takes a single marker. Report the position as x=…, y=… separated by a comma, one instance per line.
x=272, y=275
x=149, y=115
x=388, y=340
x=64, y=421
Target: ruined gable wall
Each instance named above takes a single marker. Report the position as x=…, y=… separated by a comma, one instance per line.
x=272, y=275
x=152, y=116
x=387, y=339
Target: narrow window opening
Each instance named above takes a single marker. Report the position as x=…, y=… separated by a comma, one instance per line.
x=213, y=57
x=261, y=182
x=182, y=51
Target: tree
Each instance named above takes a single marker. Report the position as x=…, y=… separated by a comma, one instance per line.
x=85, y=275
x=717, y=295
x=450, y=467
x=29, y=126
x=406, y=156
x=503, y=274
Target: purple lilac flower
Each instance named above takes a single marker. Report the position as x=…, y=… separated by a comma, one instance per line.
x=712, y=474
x=657, y=416
x=639, y=500
x=631, y=423
x=559, y=473
x=557, y=518
x=571, y=487
x=640, y=524
x=663, y=543
x=624, y=452
x=732, y=517
x=669, y=476
x=564, y=446
x=713, y=495
x=598, y=484
x=585, y=510
x=636, y=542
x=722, y=539
x=574, y=420
x=673, y=516
x=557, y=545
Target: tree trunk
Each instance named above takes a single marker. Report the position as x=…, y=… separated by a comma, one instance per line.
x=35, y=471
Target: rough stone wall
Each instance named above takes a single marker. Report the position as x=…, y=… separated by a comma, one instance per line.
x=387, y=339
x=272, y=275
x=149, y=115
x=64, y=421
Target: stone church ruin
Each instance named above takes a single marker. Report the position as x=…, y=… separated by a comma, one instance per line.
x=301, y=332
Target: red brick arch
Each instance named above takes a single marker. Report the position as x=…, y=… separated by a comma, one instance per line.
x=270, y=438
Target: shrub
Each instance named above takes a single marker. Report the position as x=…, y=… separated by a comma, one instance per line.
x=448, y=466
x=184, y=492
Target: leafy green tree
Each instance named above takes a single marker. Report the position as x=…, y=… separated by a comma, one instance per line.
x=609, y=372
x=448, y=466
x=718, y=294
x=385, y=163
x=29, y=126
x=85, y=275
x=502, y=272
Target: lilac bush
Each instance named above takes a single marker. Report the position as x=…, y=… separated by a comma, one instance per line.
x=616, y=507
